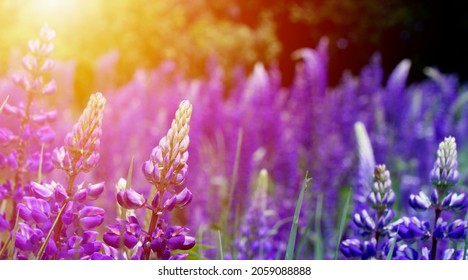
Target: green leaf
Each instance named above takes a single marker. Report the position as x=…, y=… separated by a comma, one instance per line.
x=293, y=232
x=392, y=248
x=220, y=247
x=344, y=216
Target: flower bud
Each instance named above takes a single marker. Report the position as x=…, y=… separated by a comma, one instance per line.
x=130, y=199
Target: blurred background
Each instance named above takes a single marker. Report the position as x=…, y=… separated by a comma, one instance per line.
x=147, y=55
x=143, y=33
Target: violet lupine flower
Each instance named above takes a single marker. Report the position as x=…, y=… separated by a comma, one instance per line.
x=254, y=241
x=80, y=151
x=406, y=252
x=129, y=236
x=60, y=211
x=30, y=130
x=366, y=166
x=445, y=173
x=373, y=223
x=357, y=249
x=79, y=220
x=167, y=166
x=382, y=196
x=452, y=254
x=33, y=125
x=443, y=176
x=412, y=229
x=166, y=170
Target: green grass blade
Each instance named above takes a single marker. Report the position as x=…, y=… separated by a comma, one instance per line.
x=392, y=248
x=220, y=247
x=344, y=216
x=235, y=172
x=130, y=174
x=293, y=232
x=4, y=102
x=318, y=246
x=11, y=253
x=301, y=247
x=39, y=170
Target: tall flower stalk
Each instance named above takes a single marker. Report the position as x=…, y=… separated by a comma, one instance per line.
x=33, y=125
x=373, y=224
x=166, y=170
x=79, y=154
x=255, y=233
x=443, y=176
x=38, y=66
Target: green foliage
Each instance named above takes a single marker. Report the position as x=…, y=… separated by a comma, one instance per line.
x=346, y=202
x=144, y=33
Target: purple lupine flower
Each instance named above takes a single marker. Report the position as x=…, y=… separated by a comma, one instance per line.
x=455, y=202
x=440, y=229
x=366, y=165
x=167, y=170
x=452, y=254
x=130, y=229
x=411, y=229
x=168, y=161
x=421, y=202
x=457, y=230
x=80, y=151
x=382, y=195
x=445, y=172
x=443, y=176
x=130, y=199
x=357, y=249
x=374, y=222
x=61, y=212
x=405, y=252
x=254, y=239
x=23, y=137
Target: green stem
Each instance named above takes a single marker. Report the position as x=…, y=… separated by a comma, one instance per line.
x=153, y=223
x=57, y=219
x=41, y=159
x=295, y=223
x=235, y=172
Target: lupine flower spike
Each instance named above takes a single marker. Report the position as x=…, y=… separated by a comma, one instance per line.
x=166, y=170
x=443, y=176
x=28, y=139
x=79, y=154
x=373, y=224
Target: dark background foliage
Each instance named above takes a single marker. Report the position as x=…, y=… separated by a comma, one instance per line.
x=430, y=33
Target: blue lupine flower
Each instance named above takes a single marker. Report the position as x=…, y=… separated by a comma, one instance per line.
x=445, y=172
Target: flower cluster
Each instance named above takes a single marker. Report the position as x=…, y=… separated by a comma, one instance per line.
x=34, y=125
x=241, y=130
x=373, y=224
x=166, y=170
x=56, y=221
x=80, y=151
x=254, y=241
x=25, y=142
x=443, y=176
